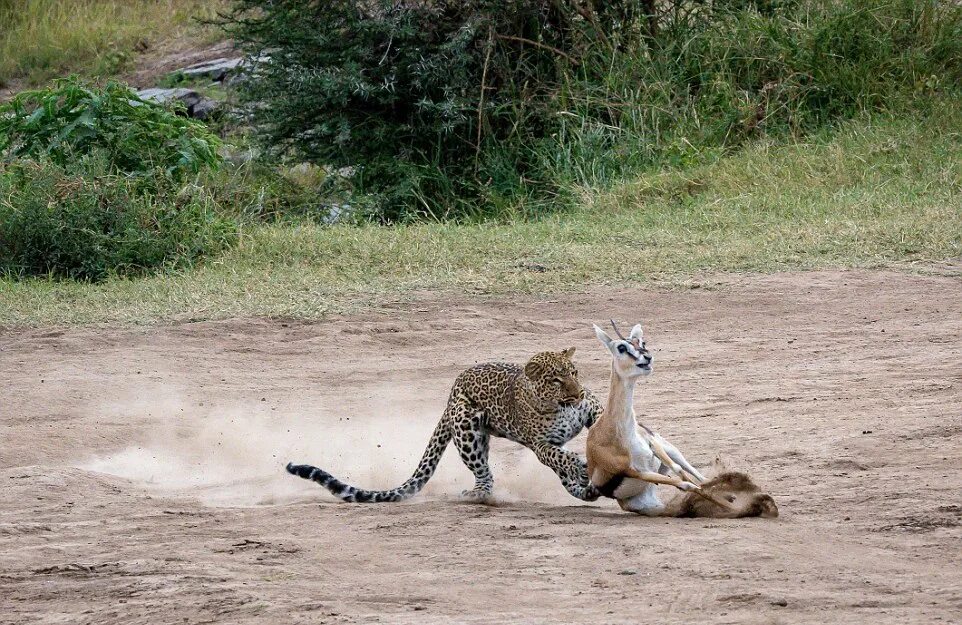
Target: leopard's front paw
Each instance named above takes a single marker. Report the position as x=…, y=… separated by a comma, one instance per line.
x=477, y=495
x=591, y=493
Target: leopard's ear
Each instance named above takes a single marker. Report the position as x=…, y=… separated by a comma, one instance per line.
x=568, y=353
x=534, y=370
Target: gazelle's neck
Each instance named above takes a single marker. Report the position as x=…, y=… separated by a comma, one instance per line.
x=620, y=398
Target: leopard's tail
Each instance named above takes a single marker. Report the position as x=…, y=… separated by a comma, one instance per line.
x=429, y=462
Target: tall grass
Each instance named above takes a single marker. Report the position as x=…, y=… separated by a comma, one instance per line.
x=42, y=39
x=713, y=80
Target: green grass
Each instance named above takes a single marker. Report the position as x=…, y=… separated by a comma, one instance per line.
x=876, y=193
x=42, y=39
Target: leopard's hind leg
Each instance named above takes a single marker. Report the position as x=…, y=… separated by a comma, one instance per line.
x=472, y=441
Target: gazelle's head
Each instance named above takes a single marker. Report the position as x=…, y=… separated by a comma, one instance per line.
x=555, y=377
x=631, y=359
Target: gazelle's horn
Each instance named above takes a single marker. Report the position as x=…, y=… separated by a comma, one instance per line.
x=616, y=330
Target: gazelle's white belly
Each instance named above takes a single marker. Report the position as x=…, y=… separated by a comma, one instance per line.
x=632, y=487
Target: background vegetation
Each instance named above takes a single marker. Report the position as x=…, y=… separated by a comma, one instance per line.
x=93, y=182
x=466, y=146
x=483, y=108
x=882, y=192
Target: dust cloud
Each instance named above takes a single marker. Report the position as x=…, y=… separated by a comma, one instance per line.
x=234, y=455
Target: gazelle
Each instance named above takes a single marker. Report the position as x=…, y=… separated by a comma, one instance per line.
x=627, y=462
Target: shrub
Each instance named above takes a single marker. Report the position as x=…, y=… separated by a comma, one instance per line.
x=73, y=119
x=448, y=108
x=419, y=97
x=85, y=221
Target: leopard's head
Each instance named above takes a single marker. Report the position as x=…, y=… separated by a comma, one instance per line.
x=554, y=377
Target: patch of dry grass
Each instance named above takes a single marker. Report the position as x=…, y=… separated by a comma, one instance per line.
x=42, y=39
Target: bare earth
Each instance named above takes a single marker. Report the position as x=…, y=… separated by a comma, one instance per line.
x=142, y=481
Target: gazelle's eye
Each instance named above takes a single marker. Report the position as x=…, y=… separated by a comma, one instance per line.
x=622, y=349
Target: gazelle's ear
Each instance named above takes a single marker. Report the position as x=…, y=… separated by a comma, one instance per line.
x=636, y=333
x=602, y=336
x=568, y=353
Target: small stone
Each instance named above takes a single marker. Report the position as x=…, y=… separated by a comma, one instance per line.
x=215, y=69
x=628, y=572
x=188, y=97
x=780, y=602
x=205, y=109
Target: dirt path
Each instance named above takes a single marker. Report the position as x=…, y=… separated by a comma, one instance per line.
x=141, y=468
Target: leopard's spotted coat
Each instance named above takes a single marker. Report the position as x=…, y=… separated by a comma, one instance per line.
x=541, y=405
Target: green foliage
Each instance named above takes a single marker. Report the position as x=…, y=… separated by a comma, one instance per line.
x=478, y=107
x=94, y=182
x=72, y=119
x=713, y=79
x=418, y=97
x=85, y=221
x=874, y=192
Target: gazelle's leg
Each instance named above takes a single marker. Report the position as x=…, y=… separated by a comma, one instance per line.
x=658, y=478
x=675, y=456
x=667, y=464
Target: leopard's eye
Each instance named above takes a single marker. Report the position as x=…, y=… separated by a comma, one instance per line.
x=556, y=381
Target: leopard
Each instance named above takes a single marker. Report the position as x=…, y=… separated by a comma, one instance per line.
x=541, y=405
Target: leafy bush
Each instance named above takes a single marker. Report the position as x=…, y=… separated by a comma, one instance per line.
x=85, y=221
x=477, y=106
x=418, y=97
x=73, y=119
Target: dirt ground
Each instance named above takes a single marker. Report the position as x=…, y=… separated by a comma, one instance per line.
x=142, y=480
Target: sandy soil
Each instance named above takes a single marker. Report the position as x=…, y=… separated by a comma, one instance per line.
x=142, y=482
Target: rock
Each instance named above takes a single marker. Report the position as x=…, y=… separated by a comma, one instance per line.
x=197, y=105
x=205, y=109
x=337, y=213
x=188, y=97
x=216, y=69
